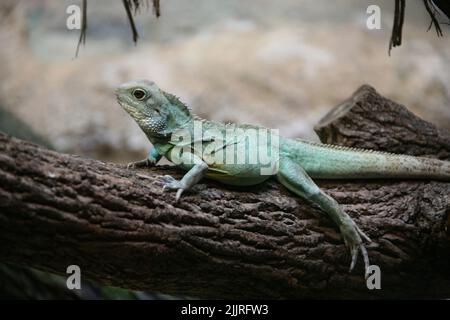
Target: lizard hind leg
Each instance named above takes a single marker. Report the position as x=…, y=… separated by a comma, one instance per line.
x=295, y=178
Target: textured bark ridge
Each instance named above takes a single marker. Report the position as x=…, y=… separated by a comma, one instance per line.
x=222, y=242
x=368, y=120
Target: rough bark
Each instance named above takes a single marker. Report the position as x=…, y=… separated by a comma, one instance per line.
x=369, y=120
x=222, y=242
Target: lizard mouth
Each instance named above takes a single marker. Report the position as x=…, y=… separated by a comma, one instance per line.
x=121, y=101
x=122, y=104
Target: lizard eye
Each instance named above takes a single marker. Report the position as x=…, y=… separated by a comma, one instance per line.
x=139, y=94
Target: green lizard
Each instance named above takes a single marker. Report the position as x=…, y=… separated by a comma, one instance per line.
x=171, y=128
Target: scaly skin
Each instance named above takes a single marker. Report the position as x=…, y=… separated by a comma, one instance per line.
x=166, y=121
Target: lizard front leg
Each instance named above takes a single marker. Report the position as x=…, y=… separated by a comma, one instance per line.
x=292, y=176
x=194, y=175
x=152, y=158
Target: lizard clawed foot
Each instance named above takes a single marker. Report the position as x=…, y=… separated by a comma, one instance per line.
x=353, y=240
x=170, y=183
x=146, y=163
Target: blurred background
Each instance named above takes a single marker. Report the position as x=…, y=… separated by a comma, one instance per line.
x=282, y=64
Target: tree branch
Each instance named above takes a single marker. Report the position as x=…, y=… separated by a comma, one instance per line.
x=368, y=120
x=221, y=242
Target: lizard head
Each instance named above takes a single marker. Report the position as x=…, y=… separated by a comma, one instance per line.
x=157, y=112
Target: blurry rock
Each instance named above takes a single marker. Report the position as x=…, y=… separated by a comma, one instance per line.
x=280, y=64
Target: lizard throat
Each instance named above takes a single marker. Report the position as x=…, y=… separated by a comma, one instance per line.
x=153, y=126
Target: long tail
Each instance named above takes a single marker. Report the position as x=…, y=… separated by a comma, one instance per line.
x=335, y=162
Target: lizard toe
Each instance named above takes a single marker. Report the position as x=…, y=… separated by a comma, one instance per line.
x=354, y=254
x=178, y=196
x=353, y=240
